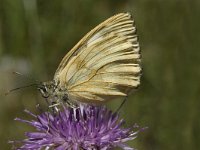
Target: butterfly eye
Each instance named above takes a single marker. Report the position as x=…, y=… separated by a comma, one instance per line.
x=44, y=92
x=44, y=89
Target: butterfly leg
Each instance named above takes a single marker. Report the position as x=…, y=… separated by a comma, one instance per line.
x=123, y=102
x=54, y=107
x=68, y=102
x=71, y=104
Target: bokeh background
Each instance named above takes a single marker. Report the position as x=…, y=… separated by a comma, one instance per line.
x=36, y=34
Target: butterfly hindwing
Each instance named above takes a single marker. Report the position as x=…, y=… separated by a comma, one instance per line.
x=104, y=64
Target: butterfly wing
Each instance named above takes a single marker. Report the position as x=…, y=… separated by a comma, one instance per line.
x=104, y=64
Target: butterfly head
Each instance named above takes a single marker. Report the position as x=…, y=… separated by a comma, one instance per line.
x=51, y=91
x=47, y=89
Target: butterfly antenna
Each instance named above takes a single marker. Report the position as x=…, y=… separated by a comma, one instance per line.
x=18, y=88
x=26, y=76
x=123, y=102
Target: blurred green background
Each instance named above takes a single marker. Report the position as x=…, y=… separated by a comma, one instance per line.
x=36, y=34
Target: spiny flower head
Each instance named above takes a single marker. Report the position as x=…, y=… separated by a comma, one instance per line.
x=83, y=128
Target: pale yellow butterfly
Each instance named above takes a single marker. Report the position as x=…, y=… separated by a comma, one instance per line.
x=103, y=65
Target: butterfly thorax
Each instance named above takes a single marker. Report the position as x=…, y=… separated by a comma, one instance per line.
x=53, y=92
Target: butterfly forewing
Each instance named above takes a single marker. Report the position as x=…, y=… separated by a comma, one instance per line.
x=104, y=64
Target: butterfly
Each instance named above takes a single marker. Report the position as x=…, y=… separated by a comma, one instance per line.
x=103, y=65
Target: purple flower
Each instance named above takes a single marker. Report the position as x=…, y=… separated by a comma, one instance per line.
x=84, y=128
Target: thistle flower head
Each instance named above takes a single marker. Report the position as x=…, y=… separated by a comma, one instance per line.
x=84, y=128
